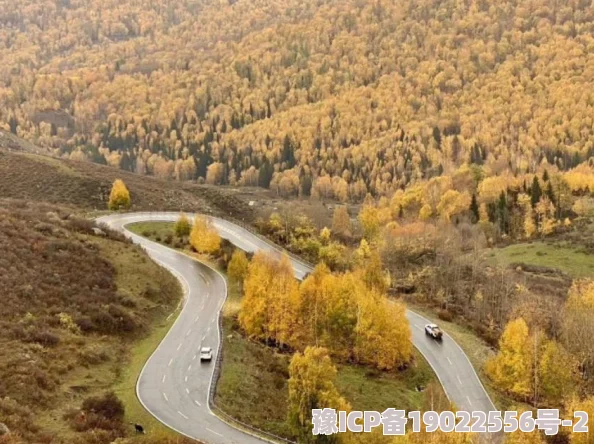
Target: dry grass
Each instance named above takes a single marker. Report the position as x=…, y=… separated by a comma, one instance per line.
x=75, y=308
x=86, y=185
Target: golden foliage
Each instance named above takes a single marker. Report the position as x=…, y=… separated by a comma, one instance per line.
x=532, y=367
x=577, y=325
x=557, y=371
x=337, y=311
x=584, y=405
x=271, y=300
x=311, y=386
x=238, y=267
x=119, y=198
x=383, y=333
x=511, y=369
x=204, y=237
x=341, y=222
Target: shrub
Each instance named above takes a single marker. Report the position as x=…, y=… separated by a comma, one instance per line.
x=81, y=225
x=109, y=406
x=183, y=226
x=45, y=338
x=445, y=315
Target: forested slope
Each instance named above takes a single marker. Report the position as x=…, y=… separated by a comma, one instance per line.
x=336, y=98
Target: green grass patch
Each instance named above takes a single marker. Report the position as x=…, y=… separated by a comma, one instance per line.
x=135, y=273
x=562, y=257
x=368, y=389
x=126, y=385
x=157, y=232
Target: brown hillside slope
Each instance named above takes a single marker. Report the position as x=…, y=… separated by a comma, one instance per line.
x=28, y=176
x=67, y=332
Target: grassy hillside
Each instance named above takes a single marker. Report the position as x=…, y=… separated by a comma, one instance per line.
x=80, y=313
x=28, y=176
x=568, y=259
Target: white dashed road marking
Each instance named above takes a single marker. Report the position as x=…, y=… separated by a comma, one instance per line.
x=182, y=415
x=212, y=431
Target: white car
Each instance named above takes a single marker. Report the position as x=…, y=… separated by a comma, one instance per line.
x=434, y=331
x=205, y=354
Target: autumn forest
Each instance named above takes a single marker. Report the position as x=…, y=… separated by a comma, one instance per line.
x=333, y=99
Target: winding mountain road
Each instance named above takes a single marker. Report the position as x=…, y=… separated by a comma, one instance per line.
x=174, y=386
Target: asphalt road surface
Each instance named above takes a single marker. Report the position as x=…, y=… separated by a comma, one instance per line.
x=174, y=384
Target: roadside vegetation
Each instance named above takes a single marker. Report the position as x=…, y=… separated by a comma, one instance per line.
x=82, y=309
x=254, y=382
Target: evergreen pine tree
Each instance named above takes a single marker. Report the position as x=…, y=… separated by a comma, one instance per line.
x=535, y=191
x=474, y=208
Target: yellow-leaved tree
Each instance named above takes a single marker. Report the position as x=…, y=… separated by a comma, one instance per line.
x=271, y=300
x=557, y=370
x=369, y=218
x=528, y=223
x=341, y=223
x=311, y=386
x=203, y=237
x=532, y=367
x=584, y=405
x=238, y=267
x=373, y=274
x=328, y=313
x=119, y=198
x=283, y=302
x=182, y=226
x=338, y=311
x=325, y=235
x=511, y=368
x=519, y=437
x=253, y=316
x=577, y=325
x=383, y=337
